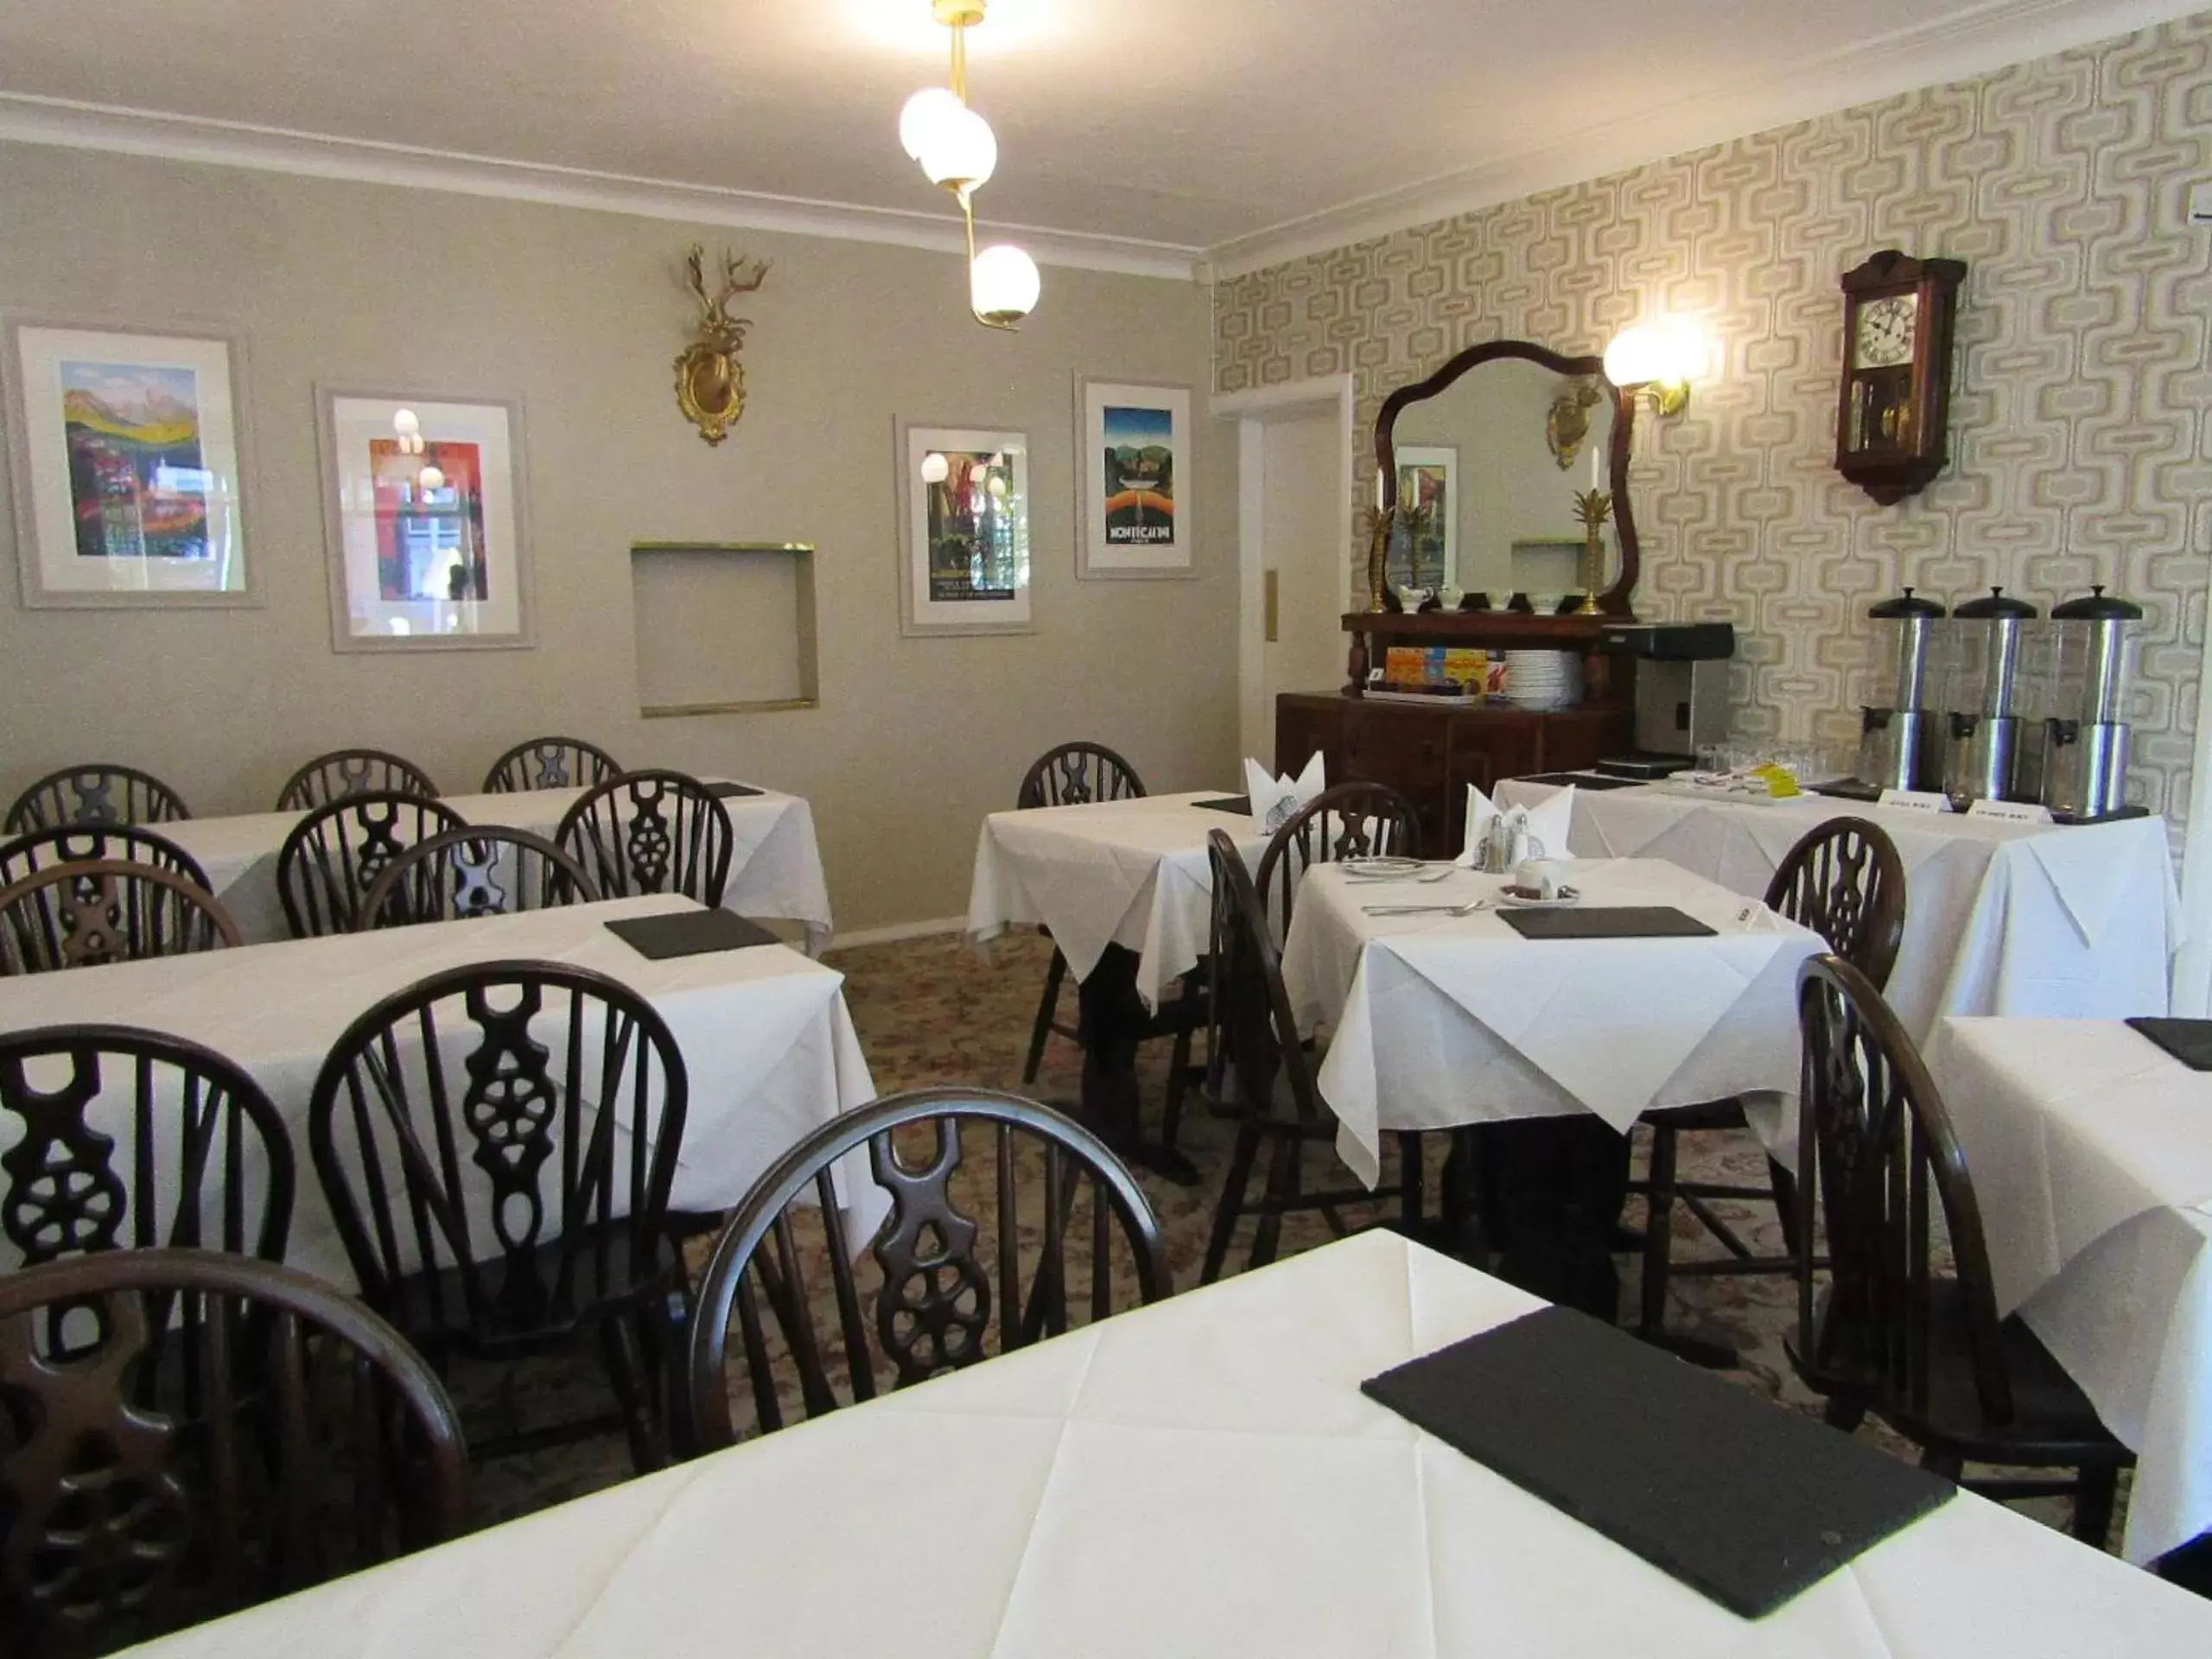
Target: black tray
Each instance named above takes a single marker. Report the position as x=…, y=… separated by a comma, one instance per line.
x=1238, y=804
x=1581, y=780
x=1606, y=922
x=689, y=933
x=727, y=791
x=2189, y=1042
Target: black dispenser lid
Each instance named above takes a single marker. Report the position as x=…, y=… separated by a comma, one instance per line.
x=1906, y=605
x=1984, y=610
x=2096, y=606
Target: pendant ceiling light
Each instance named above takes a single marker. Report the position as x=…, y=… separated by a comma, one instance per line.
x=958, y=151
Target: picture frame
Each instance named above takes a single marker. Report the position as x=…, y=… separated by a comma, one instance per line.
x=130, y=449
x=964, y=556
x=1425, y=550
x=1134, y=472
x=425, y=517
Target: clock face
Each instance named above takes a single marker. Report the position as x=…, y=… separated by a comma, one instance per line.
x=1885, y=333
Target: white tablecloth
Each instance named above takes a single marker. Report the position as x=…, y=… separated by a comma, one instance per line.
x=768, y=1046
x=1199, y=1478
x=1128, y=873
x=1439, y=1020
x=2091, y=1154
x=775, y=868
x=2081, y=921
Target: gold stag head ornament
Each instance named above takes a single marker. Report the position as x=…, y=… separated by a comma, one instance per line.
x=709, y=380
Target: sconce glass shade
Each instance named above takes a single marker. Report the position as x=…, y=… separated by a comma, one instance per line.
x=1003, y=284
x=935, y=467
x=954, y=145
x=1670, y=352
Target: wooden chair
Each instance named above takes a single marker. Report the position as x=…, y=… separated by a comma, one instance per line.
x=483, y=870
x=104, y=910
x=332, y=856
x=1844, y=881
x=41, y=849
x=496, y=1144
x=101, y=793
x=656, y=831
x=345, y=773
x=935, y=1304
x=1074, y=774
x=1279, y=1105
x=130, y=1138
x=551, y=763
x=1344, y=821
x=1894, y=1333
x=191, y=1433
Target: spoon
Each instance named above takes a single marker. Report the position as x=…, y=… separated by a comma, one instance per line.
x=1467, y=909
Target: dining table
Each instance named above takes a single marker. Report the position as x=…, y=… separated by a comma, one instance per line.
x=1125, y=889
x=1203, y=1477
x=2002, y=916
x=769, y=1049
x=2089, y=1148
x=775, y=870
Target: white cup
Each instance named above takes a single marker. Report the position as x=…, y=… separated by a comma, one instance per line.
x=1537, y=878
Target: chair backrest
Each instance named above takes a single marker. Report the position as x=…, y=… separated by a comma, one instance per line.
x=191, y=1433
x=509, y=1130
x=551, y=763
x=1344, y=821
x=103, y=910
x=98, y=793
x=132, y=1139
x=1844, y=881
x=1874, y=1128
x=1259, y=1031
x=1076, y=774
x=334, y=855
x=344, y=773
x=656, y=831
x=923, y=1301
x=483, y=870
x=41, y=849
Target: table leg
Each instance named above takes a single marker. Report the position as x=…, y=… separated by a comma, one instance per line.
x=1110, y=1026
x=1551, y=1190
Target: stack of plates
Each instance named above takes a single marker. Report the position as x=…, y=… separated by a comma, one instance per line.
x=1542, y=680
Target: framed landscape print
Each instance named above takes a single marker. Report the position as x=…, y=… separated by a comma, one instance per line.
x=128, y=467
x=422, y=502
x=963, y=564
x=1424, y=541
x=1134, y=470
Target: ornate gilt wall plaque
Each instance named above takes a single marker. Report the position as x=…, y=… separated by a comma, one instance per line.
x=709, y=380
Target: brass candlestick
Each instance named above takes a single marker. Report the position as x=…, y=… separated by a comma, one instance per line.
x=1378, y=558
x=1593, y=507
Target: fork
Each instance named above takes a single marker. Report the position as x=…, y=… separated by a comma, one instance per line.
x=1354, y=878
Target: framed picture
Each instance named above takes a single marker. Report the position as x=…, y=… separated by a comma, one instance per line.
x=1134, y=468
x=1425, y=542
x=422, y=508
x=963, y=564
x=129, y=453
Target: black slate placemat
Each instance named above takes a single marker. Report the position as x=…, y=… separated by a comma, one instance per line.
x=1741, y=1499
x=727, y=791
x=688, y=933
x=1228, y=804
x=1580, y=779
x=1606, y=922
x=2189, y=1042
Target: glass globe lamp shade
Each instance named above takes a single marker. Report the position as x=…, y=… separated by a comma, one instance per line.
x=934, y=469
x=431, y=479
x=1003, y=284
x=957, y=148
x=406, y=423
x=925, y=112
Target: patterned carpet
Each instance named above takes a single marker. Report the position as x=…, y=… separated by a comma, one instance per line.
x=934, y=1010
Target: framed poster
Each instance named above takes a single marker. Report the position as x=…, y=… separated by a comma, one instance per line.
x=128, y=461
x=422, y=508
x=1425, y=542
x=1134, y=468
x=963, y=564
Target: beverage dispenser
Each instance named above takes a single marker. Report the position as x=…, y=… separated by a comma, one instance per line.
x=1898, y=740
x=1983, y=697
x=2086, y=741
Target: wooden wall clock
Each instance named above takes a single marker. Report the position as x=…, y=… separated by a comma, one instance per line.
x=1897, y=314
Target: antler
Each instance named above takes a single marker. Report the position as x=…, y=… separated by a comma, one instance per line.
x=694, y=270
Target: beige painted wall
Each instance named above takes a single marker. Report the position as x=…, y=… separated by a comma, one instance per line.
x=579, y=313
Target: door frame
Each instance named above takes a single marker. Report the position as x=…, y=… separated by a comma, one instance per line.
x=1252, y=411
x=2192, y=963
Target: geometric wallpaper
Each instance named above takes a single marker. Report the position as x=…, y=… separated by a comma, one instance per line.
x=2081, y=413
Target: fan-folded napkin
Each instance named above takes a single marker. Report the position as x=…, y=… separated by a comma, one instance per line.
x=1546, y=823
x=1275, y=799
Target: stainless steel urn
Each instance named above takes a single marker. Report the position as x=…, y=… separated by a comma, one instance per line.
x=1899, y=742
x=2086, y=741
x=1983, y=732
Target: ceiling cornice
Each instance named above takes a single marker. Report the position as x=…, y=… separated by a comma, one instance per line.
x=1994, y=36
x=30, y=120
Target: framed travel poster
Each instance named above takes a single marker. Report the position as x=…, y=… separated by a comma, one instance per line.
x=1424, y=541
x=422, y=508
x=963, y=565
x=128, y=467
x=1134, y=472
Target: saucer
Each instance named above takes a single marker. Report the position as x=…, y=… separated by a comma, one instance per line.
x=1521, y=899
x=1383, y=866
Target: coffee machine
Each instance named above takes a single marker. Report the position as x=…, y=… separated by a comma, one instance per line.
x=1681, y=694
x=1981, y=679
x=2085, y=740
x=1898, y=740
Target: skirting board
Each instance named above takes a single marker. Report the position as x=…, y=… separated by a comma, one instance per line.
x=897, y=931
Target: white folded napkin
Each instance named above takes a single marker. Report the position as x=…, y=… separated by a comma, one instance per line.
x=1545, y=824
x=1275, y=799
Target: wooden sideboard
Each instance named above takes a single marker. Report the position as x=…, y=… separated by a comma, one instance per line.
x=1430, y=755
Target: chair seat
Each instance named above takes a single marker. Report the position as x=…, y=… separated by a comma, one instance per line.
x=431, y=1308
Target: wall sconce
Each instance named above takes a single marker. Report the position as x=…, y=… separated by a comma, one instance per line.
x=1657, y=360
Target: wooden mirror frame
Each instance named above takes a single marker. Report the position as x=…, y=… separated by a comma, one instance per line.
x=1614, y=602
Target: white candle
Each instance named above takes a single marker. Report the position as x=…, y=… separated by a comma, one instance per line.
x=1378, y=489
x=1595, y=482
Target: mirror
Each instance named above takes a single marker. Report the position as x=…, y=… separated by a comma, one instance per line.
x=1484, y=460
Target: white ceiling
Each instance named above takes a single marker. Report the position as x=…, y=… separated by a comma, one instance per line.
x=1152, y=132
